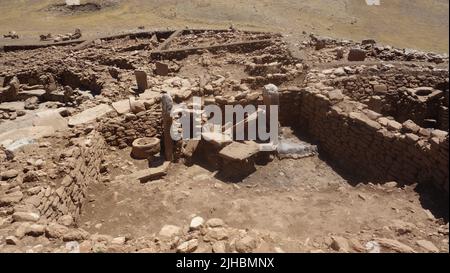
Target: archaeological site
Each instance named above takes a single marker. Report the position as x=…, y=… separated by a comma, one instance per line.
x=88, y=162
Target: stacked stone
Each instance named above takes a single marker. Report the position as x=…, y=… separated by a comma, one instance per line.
x=443, y=118
x=364, y=83
x=69, y=195
x=121, y=131
x=30, y=198
x=367, y=144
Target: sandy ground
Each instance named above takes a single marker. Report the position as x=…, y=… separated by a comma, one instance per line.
x=402, y=23
x=303, y=201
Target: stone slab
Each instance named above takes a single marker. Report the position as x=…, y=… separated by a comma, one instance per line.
x=149, y=94
x=51, y=118
x=153, y=173
x=12, y=106
x=31, y=93
x=90, y=114
x=122, y=106
x=217, y=139
x=238, y=151
x=145, y=175
x=29, y=133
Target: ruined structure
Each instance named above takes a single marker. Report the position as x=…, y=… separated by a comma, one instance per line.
x=73, y=116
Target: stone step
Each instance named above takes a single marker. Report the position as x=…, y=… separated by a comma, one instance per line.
x=90, y=114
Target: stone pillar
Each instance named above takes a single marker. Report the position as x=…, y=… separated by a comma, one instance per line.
x=270, y=97
x=166, y=105
x=141, y=80
x=162, y=69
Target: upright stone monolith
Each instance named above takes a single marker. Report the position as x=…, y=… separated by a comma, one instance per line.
x=141, y=80
x=166, y=105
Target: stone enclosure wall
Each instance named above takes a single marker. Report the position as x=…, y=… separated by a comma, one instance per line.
x=122, y=130
x=388, y=91
x=59, y=188
x=83, y=161
x=364, y=142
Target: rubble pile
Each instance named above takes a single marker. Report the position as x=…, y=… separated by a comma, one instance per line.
x=210, y=38
x=325, y=49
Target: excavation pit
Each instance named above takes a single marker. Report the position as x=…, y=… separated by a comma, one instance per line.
x=402, y=93
x=376, y=170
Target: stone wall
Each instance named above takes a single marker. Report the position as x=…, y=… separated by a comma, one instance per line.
x=122, y=130
x=83, y=160
x=364, y=143
x=56, y=184
x=387, y=90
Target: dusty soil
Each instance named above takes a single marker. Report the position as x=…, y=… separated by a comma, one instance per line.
x=411, y=24
x=301, y=202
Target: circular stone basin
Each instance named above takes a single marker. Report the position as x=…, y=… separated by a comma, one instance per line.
x=144, y=148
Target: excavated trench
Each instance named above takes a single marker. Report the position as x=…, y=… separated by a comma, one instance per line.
x=375, y=130
x=404, y=94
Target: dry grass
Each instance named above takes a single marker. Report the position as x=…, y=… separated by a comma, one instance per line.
x=413, y=23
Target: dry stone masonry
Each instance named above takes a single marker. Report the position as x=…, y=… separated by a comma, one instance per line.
x=83, y=116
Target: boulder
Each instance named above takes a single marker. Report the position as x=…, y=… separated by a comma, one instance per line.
x=215, y=222
x=380, y=88
x=410, y=126
x=11, y=198
x=20, y=216
x=137, y=106
x=196, y=223
x=395, y=245
x=36, y=230
x=55, y=230
x=188, y=247
x=219, y=247
x=340, y=244
x=12, y=240
x=368, y=42
x=428, y=246
x=75, y=235
x=246, y=245
x=336, y=95
x=170, y=231
x=32, y=103
x=66, y=220
x=356, y=55
x=8, y=174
